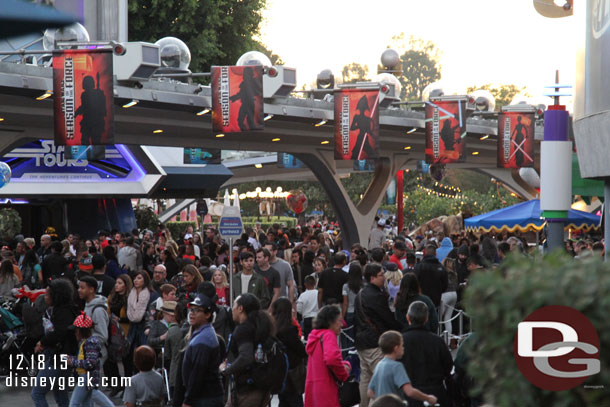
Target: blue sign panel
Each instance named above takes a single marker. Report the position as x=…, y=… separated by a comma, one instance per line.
x=43, y=161
x=364, y=165
x=285, y=160
x=202, y=156
x=230, y=227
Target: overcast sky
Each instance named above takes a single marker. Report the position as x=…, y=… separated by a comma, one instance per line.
x=482, y=41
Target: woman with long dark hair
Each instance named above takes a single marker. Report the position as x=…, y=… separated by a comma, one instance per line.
x=169, y=259
x=254, y=327
x=409, y=292
x=117, y=304
x=288, y=334
x=137, y=304
x=112, y=264
x=191, y=278
x=8, y=279
x=57, y=340
x=31, y=270
x=350, y=291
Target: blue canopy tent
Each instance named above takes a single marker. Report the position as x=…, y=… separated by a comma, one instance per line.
x=525, y=217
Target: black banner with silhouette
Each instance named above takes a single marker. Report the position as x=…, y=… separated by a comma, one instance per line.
x=516, y=139
x=446, y=131
x=356, y=124
x=237, y=98
x=83, y=97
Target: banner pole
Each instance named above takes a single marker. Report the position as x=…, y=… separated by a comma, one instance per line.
x=231, y=272
x=400, y=215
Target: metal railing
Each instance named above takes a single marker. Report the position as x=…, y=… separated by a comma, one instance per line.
x=460, y=316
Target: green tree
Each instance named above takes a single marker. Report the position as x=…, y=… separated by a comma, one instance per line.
x=146, y=218
x=503, y=94
x=354, y=72
x=217, y=32
x=419, y=65
x=275, y=59
x=10, y=223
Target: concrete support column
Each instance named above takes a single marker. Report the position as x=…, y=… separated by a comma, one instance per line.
x=356, y=220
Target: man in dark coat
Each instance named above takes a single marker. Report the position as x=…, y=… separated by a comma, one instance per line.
x=373, y=317
x=426, y=358
x=432, y=276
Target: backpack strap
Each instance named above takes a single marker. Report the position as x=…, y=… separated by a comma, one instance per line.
x=329, y=369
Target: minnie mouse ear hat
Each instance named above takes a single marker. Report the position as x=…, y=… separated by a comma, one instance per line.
x=82, y=321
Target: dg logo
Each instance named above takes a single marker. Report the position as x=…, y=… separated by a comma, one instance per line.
x=557, y=348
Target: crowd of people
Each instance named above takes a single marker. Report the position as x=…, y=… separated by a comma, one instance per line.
x=145, y=300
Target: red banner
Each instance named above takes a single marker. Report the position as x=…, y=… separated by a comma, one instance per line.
x=445, y=131
x=83, y=97
x=356, y=124
x=237, y=98
x=516, y=139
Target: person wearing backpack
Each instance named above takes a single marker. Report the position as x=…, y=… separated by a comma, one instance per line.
x=288, y=333
x=203, y=356
x=254, y=328
x=97, y=310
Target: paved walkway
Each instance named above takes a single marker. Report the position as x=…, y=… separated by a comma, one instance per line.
x=20, y=397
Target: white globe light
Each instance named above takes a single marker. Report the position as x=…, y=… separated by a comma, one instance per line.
x=5, y=173
x=390, y=58
x=253, y=58
x=484, y=100
x=390, y=79
x=174, y=53
x=73, y=33
x=326, y=79
x=434, y=89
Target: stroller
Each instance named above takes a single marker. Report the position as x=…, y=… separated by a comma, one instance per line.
x=15, y=358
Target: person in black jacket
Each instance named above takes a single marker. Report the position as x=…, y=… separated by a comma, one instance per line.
x=54, y=265
x=57, y=340
x=254, y=327
x=373, y=317
x=288, y=334
x=426, y=358
x=432, y=276
x=202, y=382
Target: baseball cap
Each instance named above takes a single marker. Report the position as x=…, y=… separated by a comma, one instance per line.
x=203, y=301
x=390, y=266
x=381, y=222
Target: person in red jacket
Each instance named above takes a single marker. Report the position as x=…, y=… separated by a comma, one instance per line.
x=324, y=358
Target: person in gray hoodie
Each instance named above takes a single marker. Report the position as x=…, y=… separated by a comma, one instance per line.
x=97, y=309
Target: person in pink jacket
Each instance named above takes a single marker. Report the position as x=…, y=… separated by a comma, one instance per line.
x=320, y=386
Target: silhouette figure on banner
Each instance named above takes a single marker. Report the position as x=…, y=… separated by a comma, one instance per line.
x=93, y=110
x=364, y=125
x=448, y=135
x=519, y=141
x=249, y=89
